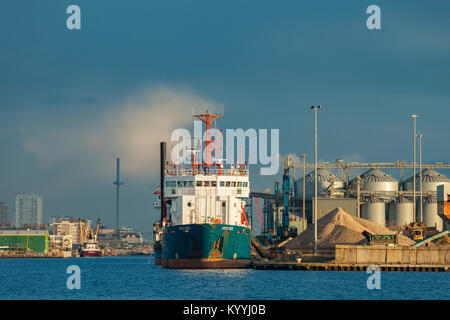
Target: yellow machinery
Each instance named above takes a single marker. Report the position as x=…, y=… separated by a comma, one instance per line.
x=96, y=230
x=380, y=239
x=417, y=229
x=82, y=235
x=85, y=234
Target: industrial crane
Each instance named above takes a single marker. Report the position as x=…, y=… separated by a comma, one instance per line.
x=286, y=187
x=91, y=231
x=88, y=233
x=98, y=226
x=284, y=231
x=82, y=236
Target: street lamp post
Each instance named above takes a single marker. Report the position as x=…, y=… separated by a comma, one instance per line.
x=420, y=175
x=303, y=155
x=414, y=116
x=315, y=108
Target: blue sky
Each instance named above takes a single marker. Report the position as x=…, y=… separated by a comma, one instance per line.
x=72, y=100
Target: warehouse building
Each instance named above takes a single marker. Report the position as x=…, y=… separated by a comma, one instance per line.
x=24, y=241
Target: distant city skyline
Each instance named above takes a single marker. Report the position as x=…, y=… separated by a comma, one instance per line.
x=4, y=214
x=73, y=100
x=28, y=210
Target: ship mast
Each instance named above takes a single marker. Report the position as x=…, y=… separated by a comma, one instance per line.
x=208, y=119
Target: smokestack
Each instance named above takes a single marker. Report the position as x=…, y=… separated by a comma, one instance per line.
x=163, y=173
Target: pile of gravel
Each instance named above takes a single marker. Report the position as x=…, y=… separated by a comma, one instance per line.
x=339, y=227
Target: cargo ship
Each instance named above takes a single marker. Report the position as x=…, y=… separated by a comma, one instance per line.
x=203, y=222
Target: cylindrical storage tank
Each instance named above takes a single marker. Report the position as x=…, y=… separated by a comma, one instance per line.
x=401, y=212
x=431, y=179
x=430, y=213
x=374, y=209
x=377, y=180
x=324, y=180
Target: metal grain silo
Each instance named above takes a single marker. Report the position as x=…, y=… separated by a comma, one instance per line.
x=374, y=209
x=324, y=180
x=401, y=212
x=377, y=180
x=430, y=180
x=430, y=213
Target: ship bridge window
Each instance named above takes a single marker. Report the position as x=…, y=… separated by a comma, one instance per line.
x=191, y=183
x=206, y=183
x=245, y=184
x=222, y=183
x=233, y=183
x=189, y=204
x=239, y=184
x=171, y=184
x=228, y=183
x=199, y=183
x=213, y=183
x=180, y=183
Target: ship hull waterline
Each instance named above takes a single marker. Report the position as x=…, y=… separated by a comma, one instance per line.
x=157, y=252
x=206, y=246
x=90, y=253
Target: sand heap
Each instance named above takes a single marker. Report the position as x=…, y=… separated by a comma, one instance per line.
x=339, y=227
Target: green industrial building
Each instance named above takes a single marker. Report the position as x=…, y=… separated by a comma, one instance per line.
x=24, y=241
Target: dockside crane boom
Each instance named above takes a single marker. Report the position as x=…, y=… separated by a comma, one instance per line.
x=81, y=231
x=98, y=226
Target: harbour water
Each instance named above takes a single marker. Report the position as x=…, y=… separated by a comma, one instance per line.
x=135, y=277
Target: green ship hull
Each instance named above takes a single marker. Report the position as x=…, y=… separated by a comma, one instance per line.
x=206, y=246
x=157, y=252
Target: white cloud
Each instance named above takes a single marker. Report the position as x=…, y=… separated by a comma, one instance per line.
x=131, y=131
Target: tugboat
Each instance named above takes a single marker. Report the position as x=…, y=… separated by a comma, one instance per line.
x=207, y=227
x=89, y=244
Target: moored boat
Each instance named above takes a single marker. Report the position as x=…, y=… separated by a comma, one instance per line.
x=203, y=222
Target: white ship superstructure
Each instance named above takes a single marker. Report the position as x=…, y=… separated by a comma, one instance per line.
x=207, y=195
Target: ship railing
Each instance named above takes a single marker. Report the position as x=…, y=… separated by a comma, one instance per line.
x=209, y=172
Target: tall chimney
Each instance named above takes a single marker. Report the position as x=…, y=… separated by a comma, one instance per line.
x=163, y=173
